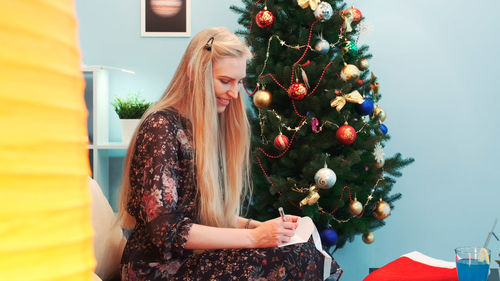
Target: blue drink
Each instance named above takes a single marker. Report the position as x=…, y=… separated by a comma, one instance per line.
x=472, y=270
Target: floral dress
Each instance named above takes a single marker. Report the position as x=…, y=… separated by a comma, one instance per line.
x=163, y=202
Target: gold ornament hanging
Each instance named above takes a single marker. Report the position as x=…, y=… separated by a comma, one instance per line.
x=368, y=237
x=382, y=210
x=378, y=111
x=339, y=101
x=364, y=64
x=262, y=99
x=355, y=207
x=350, y=72
x=311, y=198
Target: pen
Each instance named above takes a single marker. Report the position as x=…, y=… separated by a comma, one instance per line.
x=282, y=213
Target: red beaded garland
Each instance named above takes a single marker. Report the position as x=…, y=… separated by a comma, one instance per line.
x=264, y=19
x=297, y=91
x=346, y=134
x=281, y=142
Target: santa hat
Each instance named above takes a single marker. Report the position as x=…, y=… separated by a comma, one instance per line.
x=415, y=266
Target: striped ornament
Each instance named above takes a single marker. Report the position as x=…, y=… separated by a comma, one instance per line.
x=281, y=142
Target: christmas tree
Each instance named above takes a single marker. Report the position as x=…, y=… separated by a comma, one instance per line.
x=318, y=128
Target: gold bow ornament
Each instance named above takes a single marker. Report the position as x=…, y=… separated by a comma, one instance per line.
x=339, y=101
x=313, y=4
x=311, y=198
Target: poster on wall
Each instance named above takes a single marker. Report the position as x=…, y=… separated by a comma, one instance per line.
x=166, y=18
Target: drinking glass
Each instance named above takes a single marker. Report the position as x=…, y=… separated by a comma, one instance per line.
x=473, y=263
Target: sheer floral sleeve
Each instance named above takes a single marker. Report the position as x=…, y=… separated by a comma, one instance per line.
x=156, y=167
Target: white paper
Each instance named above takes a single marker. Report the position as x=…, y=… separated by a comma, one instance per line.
x=303, y=231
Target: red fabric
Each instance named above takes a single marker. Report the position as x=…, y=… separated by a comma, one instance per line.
x=406, y=269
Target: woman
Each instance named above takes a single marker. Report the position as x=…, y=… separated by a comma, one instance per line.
x=186, y=172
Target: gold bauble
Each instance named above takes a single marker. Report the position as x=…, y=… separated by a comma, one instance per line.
x=262, y=99
x=379, y=163
x=355, y=207
x=382, y=211
x=349, y=72
x=368, y=237
x=364, y=64
x=378, y=111
x=376, y=87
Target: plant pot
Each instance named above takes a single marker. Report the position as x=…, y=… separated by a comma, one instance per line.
x=128, y=129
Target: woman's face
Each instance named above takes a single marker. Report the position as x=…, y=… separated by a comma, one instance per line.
x=229, y=73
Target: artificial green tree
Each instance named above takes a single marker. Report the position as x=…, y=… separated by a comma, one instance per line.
x=316, y=105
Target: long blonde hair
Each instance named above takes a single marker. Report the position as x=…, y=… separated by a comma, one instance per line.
x=221, y=141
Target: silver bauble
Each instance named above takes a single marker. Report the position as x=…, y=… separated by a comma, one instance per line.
x=322, y=46
x=379, y=163
x=324, y=11
x=325, y=178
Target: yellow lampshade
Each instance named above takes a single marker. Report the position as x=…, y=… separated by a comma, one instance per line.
x=45, y=228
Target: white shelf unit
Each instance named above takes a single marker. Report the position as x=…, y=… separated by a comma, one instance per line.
x=106, y=158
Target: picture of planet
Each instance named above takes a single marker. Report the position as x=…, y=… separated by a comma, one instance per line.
x=166, y=8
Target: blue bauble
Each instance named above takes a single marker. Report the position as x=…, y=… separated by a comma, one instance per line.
x=328, y=237
x=383, y=128
x=365, y=108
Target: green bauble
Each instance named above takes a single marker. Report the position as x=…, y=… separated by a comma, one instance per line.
x=350, y=50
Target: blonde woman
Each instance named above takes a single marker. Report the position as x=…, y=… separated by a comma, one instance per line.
x=186, y=172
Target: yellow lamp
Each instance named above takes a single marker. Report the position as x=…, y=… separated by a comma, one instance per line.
x=45, y=229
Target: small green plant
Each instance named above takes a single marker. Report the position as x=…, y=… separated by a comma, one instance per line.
x=131, y=107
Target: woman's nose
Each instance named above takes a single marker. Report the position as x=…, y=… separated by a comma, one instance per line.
x=233, y=92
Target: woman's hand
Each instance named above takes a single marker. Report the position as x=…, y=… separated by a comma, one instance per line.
x=274, y=232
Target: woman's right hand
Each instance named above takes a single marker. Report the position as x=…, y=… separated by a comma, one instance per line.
x=274, y=232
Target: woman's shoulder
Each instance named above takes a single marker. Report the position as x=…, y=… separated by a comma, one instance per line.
x=159, y=121
x=163, y=117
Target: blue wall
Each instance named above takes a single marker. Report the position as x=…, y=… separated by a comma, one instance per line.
x=437, y=63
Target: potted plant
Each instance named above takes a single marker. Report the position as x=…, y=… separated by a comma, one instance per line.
x=130, y=111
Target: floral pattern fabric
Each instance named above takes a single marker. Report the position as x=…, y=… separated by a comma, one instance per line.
x=163, y=202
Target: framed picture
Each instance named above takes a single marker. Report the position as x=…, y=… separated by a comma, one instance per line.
x=166, y=18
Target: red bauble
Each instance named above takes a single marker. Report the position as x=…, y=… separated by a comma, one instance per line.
x=281, y=142
x=264, y=19
x=346, y=134
x=356, y=13
x=297, y=91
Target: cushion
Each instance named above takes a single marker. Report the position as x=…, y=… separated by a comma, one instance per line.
x=109, y=240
